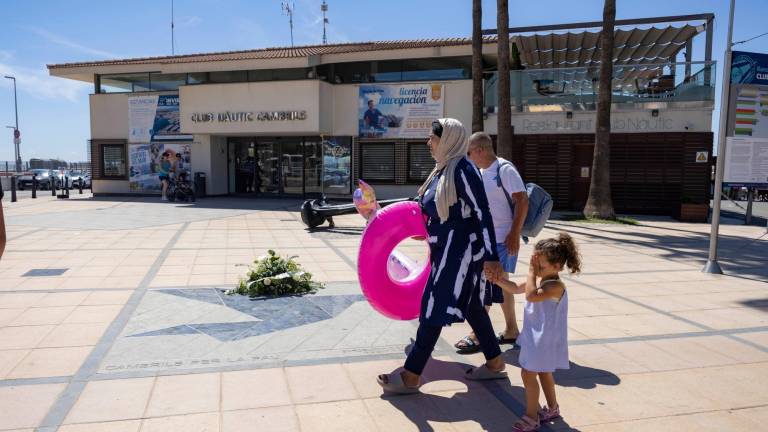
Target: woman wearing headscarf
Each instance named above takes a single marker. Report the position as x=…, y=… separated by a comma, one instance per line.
x=461, y=244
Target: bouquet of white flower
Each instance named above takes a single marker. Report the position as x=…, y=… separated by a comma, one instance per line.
x=273, y=275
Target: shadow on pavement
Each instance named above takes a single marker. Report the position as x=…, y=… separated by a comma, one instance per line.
x=739, y=256
x=479, y=403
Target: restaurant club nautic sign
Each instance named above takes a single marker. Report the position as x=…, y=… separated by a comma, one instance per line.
x=749, y=68
x=247, y=116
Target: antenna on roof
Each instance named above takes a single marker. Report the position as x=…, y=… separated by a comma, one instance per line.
x=324, y=8
x=288, y=10
x=173, y=44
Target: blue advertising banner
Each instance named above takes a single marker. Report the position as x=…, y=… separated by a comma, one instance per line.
x=399, y=111
x=154, y=117
x=749, y=68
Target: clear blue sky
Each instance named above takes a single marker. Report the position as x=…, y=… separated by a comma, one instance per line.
x=53, y=113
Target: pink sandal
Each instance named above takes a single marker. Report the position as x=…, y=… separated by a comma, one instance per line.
x=547, y=414
x=526, y=425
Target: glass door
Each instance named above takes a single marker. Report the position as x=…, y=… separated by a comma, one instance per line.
x=292, y=167
x=268, y=166
x=313, y=166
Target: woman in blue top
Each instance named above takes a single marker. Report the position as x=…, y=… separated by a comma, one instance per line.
x=164, y=172
x=462, y=244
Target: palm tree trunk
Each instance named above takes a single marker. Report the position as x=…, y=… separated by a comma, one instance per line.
x=504, y=137
x=477, y=66
x=599, y=203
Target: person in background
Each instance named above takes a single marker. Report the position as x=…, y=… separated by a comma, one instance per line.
x=164, y=172
x=508, y=202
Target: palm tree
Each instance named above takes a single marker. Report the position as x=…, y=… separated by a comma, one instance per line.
x=477, y=66
x=504, y=137
x=599, y=203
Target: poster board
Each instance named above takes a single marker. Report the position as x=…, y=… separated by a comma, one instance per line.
x=399, y=110
x=746, y=162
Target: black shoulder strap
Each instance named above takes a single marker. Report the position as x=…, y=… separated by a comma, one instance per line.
x=500, y=184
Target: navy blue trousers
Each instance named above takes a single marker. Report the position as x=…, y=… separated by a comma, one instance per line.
x=427, y=336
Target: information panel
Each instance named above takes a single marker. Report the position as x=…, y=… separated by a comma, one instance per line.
x=746, y=161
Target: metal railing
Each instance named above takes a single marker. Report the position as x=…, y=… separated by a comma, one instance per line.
x=577, y=88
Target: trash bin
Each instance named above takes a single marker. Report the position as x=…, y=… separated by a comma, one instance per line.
x=200, y=184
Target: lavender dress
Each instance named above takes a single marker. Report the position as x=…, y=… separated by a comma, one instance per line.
x=544, y=338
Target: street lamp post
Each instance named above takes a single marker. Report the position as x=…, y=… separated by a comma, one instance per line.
x=16, y=139
x=712, y=266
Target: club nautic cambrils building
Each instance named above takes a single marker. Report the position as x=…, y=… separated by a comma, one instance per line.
x=312, y=119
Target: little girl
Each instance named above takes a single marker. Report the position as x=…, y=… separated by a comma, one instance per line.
x=544, y=338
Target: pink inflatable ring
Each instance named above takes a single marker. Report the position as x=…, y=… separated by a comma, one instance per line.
x=393, y=298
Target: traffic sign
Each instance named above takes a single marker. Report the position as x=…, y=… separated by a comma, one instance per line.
x=16, y=134
x=17, y=141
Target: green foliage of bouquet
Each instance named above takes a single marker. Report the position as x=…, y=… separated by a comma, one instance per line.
x=274, y=275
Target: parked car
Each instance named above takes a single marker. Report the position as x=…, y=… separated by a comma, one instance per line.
x=80, y=176
x=44, y=177
x=61, y=175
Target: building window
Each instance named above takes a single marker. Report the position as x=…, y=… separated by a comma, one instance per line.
x=166, y=82
x=124, y=83
x=228, y=77
x=352, y=72
x=437, y=69
x=197, y=78
x=113, y=161
x=420, y=162
x=377, y=162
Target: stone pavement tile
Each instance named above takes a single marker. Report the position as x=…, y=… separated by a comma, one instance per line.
x=173, y=270
x=62, y=299
x=363, y=375
x=238, y=389
x=272, y=419
x=184, y=394
x=26, y=406
x=342, y=416
x=706, y=421
x=475, y=410
x=114, y=426
x=650, y=356
x=82, y=282
x=23, y=337
x=9, y=359
x=111, y=400
x=320, y=383
x=728, y=318
x=412, y=413
x=11, y=283
x=107, y=298
x=49, y=362
x=40, y=283
x=93, y=314
x=760, y=338
x=601, y=357
x=42, y=315
x=19, y=300
x=121, y=281
x=169, y=281
x=65, y=335
x=206, y=422
x=8, y=315
x=757, y=415
x=638, y=325
x=130, y=270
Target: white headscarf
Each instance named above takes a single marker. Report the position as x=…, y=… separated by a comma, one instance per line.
x=452, y=148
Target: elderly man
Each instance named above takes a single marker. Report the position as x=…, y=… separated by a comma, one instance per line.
x=508, y=202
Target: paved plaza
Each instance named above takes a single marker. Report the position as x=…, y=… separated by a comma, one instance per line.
x=114, y=317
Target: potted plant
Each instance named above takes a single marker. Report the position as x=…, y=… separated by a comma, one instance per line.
x=691, y=211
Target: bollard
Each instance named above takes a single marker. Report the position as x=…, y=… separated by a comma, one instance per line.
x=80, y=185
x=13, y=188
x=52, y=183
x=34, y=186
x=66, y=186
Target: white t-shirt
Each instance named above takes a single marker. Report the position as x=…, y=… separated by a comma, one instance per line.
x=500, y=211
